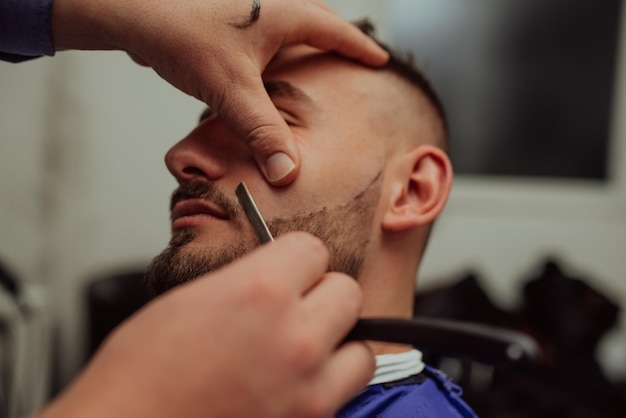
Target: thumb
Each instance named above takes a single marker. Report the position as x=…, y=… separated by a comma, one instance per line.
x=249, y=110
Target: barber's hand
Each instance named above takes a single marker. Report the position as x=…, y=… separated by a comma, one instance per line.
x=259, y=338
x=215, y=51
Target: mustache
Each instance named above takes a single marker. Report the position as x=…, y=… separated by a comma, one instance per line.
x=207, y=191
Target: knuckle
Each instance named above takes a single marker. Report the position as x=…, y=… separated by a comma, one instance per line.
x=350, y=289
x=366, y=358
x=306, y=244
x=261, y=138
x=317, y=406
x=318, y=247
x=370, y=361
x=264, y=289
x=304, y=352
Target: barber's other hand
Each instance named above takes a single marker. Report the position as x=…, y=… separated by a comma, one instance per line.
x=259, y=338
x=214, y=51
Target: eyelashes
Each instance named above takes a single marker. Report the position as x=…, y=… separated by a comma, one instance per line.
x=288, y=117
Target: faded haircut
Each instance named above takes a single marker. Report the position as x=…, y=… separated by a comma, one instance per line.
x=403, y=64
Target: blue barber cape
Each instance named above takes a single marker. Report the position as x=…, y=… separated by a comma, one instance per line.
x=427, y=394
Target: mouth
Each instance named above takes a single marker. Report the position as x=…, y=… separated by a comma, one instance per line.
x=187, y=213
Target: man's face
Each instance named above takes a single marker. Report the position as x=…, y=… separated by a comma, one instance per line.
x=333, y=109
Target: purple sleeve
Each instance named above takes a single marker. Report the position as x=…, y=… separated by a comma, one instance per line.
x=25, y=29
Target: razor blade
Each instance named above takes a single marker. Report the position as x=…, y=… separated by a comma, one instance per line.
x=251, y=210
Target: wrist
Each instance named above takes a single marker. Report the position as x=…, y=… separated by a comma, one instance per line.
x=85, y=25
x=107, y=388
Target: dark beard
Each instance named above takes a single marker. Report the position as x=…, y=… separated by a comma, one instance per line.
x=344, y=229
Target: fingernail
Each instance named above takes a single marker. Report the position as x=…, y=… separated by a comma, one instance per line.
x=278, y=166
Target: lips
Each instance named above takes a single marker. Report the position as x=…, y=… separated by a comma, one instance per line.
x=186, y=210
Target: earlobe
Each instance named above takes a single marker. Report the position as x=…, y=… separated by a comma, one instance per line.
x=421, y=189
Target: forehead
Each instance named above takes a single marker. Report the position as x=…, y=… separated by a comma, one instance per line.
x=307, y=66
x=294, y=56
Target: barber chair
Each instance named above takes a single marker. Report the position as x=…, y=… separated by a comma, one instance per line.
x=111, y=299
x=25, y=346
x=566, y=317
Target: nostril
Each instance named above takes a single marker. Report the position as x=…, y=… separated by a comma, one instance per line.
x=191, y=158
x=192, y=171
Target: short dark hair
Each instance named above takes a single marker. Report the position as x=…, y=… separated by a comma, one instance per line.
x=403, y=64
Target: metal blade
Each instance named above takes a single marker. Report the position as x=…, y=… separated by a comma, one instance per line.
x=254, y=215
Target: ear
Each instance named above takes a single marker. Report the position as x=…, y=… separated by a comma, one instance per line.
x=420, y=190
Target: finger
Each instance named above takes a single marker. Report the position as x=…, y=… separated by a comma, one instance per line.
x=335, y=304
x=326, y=30
x=247, y=108
x=345, y=374
x=138, y=60
x=297, y=258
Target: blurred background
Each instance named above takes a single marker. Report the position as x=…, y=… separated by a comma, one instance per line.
x=534, y=92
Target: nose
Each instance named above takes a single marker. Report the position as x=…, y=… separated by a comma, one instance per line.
x=204, y=153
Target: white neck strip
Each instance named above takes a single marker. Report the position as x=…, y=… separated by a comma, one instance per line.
x=392, y=367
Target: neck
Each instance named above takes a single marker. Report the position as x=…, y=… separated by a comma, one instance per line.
x=388, y=281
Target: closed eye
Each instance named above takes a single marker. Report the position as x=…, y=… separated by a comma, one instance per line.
x=288, y=117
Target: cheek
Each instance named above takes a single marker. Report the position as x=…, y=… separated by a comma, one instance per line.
x=319, y=187
x=342, y=155
x=338, y=161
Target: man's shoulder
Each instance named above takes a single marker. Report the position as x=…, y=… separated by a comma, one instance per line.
x=429, y=393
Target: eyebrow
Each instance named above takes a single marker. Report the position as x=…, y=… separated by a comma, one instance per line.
x=277, y=88
x=282, y=88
